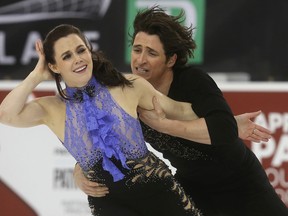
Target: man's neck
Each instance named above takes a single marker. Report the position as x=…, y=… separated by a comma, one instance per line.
x=163, y=84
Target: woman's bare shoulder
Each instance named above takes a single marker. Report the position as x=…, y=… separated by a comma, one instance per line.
x=131, y=76
x=54, y=107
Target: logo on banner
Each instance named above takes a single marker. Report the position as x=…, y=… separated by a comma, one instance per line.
x=274, y=154
x=194, y=15
x=34, y=10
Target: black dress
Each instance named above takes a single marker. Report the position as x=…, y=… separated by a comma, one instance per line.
x=224, y=178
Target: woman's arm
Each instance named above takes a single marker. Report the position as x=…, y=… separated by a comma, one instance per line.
x=14, y=109
x=174, y=118
x=173, y=109
x=195, y=130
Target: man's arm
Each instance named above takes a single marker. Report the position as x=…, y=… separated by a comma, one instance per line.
x=90, y=188
x=197, y=131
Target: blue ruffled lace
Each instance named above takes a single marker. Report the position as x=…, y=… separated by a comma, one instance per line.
x=99, y=125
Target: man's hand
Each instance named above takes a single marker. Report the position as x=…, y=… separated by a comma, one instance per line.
x=248, y=130
x=90, y=188
x=155, y=117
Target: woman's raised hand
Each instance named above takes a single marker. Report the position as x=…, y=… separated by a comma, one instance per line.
x=41, y=69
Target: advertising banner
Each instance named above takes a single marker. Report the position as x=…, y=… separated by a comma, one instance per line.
x=271, y=99
x=36, y=171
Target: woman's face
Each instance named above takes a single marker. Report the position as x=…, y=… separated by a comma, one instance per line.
x=73, y=61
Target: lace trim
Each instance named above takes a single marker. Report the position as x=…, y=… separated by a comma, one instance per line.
x=149, y=169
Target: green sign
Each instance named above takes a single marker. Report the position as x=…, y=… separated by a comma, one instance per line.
x=194, y=14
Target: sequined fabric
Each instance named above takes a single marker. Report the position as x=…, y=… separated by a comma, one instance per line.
x=146, y=171
x=164, y=142
x=97, y=128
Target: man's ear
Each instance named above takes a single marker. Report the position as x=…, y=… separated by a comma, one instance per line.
x=53, y=68
x=172, y=60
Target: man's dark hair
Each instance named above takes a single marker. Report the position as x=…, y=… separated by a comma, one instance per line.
x=175, y=37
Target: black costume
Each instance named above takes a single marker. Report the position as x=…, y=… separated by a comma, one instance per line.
x=225, y=178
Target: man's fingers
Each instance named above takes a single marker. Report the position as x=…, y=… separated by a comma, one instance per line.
x=263, y=130
x=263, y=135
x=93, y=184
x=256, y=138
x=156, y=104
x=99, y=192
x=96, y=191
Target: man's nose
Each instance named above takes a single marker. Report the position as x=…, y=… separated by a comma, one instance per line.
x=142, y=58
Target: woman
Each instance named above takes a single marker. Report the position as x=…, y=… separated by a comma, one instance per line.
x=95, y=117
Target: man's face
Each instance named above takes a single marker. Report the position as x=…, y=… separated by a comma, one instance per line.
x=148, y=58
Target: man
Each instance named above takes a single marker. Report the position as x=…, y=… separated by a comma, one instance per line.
x=213, y=165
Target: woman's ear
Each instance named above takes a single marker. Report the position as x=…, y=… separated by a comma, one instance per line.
x=53, y=68
x=172, y=60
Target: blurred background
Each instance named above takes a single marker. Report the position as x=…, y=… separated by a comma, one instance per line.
x=246, y=37
x=242, y=44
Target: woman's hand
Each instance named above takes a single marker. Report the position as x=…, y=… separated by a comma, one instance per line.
x=41, y=69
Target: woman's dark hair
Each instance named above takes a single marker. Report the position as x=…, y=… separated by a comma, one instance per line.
x=103, y=69
x=176, y=38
